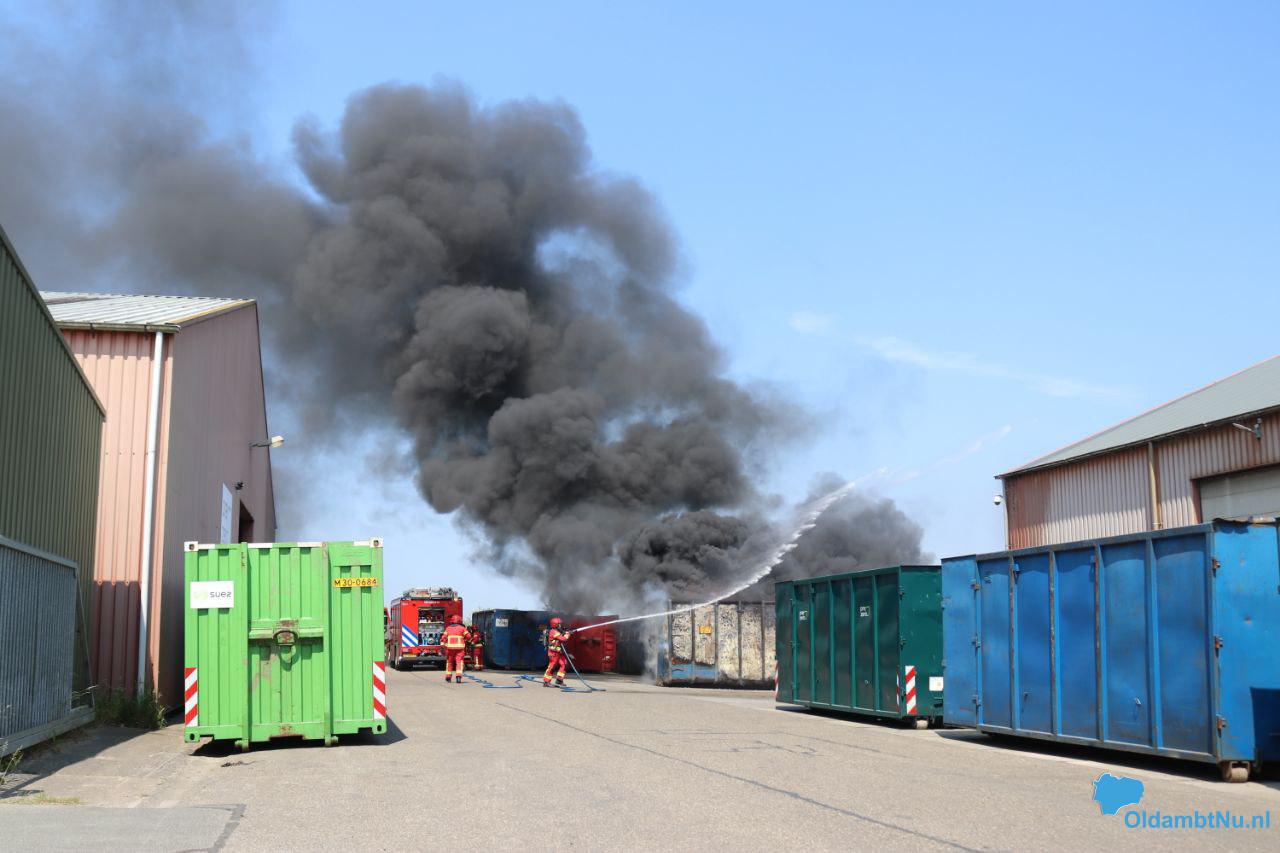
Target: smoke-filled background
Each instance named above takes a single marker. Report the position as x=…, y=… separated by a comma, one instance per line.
x=463, y=276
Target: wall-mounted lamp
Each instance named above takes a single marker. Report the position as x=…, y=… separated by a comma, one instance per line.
x=275, y=441
x=1256, y=429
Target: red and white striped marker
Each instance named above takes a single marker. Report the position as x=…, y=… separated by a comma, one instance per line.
x=379, y=690
x=775, y=681
x=909, y=672
x=193, y=697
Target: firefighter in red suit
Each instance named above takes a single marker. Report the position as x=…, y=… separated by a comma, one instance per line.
x=556, y=657
x=477, y=647
x=454, y=640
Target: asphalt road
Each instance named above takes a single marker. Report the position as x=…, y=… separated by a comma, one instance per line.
x=636, y=767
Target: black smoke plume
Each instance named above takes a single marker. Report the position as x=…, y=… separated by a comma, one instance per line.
x=466, y=272
x=861, y=532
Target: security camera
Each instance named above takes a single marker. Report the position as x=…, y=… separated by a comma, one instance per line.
x=997, y=500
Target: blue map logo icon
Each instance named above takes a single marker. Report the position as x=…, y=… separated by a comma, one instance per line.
x=1113, y=793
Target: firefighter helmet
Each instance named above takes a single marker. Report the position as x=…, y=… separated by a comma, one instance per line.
x=455, y=620
x=555, y=622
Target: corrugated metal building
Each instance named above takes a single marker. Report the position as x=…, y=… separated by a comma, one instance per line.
x=181, y=379
x=1214, y=453
x=50, y=430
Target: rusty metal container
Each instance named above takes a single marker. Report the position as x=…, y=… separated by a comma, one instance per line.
x=727, y=644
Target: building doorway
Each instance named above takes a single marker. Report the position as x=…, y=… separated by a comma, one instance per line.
x=246, y=525
x=1241, y=494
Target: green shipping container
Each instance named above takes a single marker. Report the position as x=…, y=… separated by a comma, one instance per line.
x=284, y=640
x=867, y=642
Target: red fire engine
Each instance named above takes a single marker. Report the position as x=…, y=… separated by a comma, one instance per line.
x=415, y=621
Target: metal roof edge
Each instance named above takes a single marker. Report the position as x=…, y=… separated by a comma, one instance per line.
x=1033, y=465
x=201, y=316
x=137, y=328
x=172, y=327
x=30, y=282
x=1164, y=436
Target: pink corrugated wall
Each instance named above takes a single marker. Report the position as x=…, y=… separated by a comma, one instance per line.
x=211, y=410
x=1103, y=496
x=1110, y=495
x=118, y=365
x=217, y=412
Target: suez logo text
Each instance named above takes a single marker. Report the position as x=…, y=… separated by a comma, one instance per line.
x=209, y=595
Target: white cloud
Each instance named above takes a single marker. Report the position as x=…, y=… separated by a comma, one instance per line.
x=905, y=352
x=811, y=322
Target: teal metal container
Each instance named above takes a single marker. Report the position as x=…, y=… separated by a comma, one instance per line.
x=284, y=640
x=867, y=642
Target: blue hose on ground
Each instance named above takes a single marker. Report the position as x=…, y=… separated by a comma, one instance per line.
x=489, y=685
x=589, y=689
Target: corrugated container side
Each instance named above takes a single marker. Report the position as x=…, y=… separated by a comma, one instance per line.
x=866, y=642
x=51, y=423
x=593, y=649
x=1159, y=642
x=513, y=638
x=727, y=644
x=297, y=651
x=356, y=639
x=636, y=642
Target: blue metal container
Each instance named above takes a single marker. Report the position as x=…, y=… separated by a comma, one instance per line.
x=1165, y=642
x=513, y=638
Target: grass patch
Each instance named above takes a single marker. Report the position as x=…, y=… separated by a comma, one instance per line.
x=125, y=708
x=39, y=800
x=8, y=765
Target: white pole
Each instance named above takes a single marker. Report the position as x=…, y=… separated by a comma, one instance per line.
x=148, y=511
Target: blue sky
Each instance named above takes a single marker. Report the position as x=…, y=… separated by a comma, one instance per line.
x=961, y=236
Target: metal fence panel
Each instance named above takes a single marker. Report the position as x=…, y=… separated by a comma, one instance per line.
x=37, y=639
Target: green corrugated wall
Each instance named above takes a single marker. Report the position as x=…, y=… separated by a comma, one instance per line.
x=50, y=434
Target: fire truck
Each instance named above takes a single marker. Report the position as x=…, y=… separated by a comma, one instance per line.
x=415, y=622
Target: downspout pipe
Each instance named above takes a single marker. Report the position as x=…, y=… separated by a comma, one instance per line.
x=1153, y=483
x=148, y=511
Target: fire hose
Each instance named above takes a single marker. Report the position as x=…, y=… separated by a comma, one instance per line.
x=489, y=685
